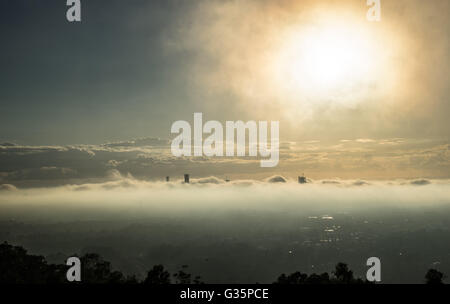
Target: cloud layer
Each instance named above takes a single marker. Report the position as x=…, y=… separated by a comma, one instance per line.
x=126, y=197
x=151, y=159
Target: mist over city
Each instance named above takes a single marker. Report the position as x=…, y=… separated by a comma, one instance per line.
x=230, y=142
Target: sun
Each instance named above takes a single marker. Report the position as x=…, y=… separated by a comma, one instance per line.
x=329, y=62
x=329, y=57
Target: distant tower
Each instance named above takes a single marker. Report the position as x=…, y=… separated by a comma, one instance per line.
x=167, y=178
x=186, y=178
x=302, y=179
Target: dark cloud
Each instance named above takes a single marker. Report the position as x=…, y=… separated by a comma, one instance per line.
x=420, y=182
x=276, y=179
x=140, y=142
x=360, y=183
x=331, y=182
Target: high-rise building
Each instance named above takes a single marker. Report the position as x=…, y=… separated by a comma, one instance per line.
x=302, y=179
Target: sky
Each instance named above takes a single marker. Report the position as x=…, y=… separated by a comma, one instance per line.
x=355, y=99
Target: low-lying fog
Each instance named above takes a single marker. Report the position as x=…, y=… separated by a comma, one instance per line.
x=242, y=231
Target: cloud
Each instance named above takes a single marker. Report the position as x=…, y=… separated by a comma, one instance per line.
x=420, y=182
x=276, y=179
x=365, y=140
x=394, y=101
x=126, y=197
x=7, y=187
x=360, y=183
x=151, y=159
x=331, y=182
x=140, y=142
x=7, y=144
x=208, y=180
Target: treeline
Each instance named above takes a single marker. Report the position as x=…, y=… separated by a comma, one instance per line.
x=19, y=267
x=341, y=275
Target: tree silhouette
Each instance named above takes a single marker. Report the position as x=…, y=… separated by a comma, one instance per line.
x=17, y=266
x=434, y=277
x=323, y=278
x=157, y=275
x=342, y=275
x=294, y=278
x=183, y=277
x=95, y=270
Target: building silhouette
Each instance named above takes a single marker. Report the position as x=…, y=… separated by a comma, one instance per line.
x=302, y=179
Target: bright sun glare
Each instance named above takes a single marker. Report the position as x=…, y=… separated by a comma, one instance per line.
x=330, y=57
x=332, y=62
